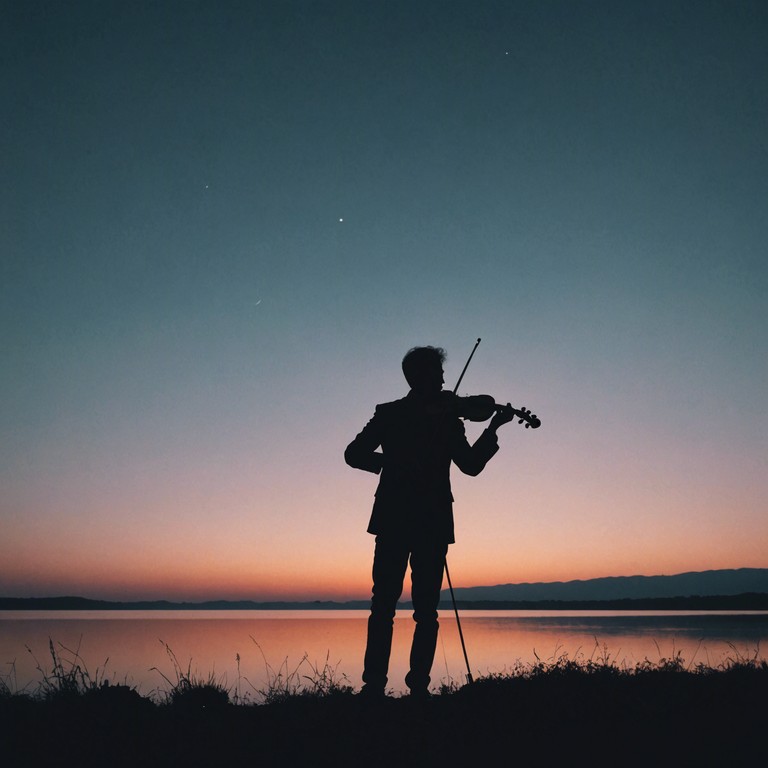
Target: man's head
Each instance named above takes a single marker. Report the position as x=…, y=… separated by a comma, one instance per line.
x=423, y=369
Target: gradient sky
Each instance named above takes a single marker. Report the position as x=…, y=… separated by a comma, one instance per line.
x=224, y=223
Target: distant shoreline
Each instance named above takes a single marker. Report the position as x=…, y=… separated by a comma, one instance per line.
x=748, y=601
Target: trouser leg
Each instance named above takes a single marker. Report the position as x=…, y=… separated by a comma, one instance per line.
x=427, y=564
x=389, y=564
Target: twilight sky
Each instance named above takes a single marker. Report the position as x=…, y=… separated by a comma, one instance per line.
x=222, y=224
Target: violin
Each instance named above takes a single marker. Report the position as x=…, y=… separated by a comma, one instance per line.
x=482, y=408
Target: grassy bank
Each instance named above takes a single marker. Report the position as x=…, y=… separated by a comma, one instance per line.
x=658, y=713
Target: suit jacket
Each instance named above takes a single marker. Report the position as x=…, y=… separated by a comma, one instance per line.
x=413, y=499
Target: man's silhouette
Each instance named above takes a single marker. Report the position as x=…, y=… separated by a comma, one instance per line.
x=412, y=518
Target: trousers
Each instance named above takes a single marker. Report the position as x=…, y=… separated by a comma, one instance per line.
x=390, y=562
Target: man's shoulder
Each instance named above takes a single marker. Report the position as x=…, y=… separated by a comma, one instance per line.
x=392, y=407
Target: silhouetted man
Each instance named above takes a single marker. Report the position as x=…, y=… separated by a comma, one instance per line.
x=412, y=518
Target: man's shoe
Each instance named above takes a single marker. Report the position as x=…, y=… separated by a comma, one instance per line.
x=372, y=693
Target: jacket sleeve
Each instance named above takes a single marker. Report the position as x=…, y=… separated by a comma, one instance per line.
x=361, y=453
x=471, y=459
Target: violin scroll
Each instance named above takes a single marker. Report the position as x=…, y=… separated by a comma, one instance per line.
x=530, y=419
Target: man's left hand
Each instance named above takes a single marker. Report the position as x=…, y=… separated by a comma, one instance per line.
x=503, y=416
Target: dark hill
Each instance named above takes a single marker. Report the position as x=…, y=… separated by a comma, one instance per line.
x=721, y=582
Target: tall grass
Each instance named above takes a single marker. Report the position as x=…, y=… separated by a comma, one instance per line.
x=306, y=679
x=189, y=689
x=9, y=684
x=601, y=662
x=67, y=676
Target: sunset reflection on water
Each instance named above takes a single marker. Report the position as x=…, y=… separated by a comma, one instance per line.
x=130, y=646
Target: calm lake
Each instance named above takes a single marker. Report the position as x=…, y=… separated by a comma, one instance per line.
x=131, y=646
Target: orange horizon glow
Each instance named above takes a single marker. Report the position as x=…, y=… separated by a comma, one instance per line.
x=245, y=528
x=186, y=587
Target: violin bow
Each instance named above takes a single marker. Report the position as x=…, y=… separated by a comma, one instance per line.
x=470, y=679
x=466, y=365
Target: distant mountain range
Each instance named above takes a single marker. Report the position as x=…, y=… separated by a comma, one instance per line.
x=72, y=603
x=722, y=582
x=734, y=589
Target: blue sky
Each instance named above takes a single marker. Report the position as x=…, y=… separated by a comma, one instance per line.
x=223, y=224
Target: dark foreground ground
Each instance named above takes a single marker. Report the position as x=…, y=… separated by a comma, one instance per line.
x=564, y=716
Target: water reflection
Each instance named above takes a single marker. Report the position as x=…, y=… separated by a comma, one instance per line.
x=624, y=639
x=130, y=644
